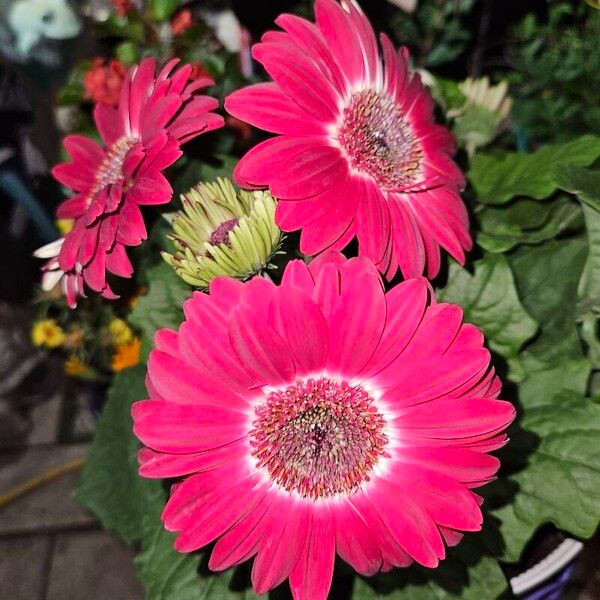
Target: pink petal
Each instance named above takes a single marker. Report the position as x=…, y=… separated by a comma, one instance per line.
x=408, y=242
x=132, y=230
x=182, y=383
x=309, y=39
x=341, y=36
x=118, y=263
x=217, y=516
x=355, y=541
x=163, y=465
x=264, y=105
x=182, y=428
x=463, y=464
x=356, y=324
x=73, y=207
x=406, y=305
x=372, y=220
x=282, y=542
x=311, y=578
x=297, y=274
x=108, y=123
x=409, y=524
x=392, y=553
x=469, y=418
x=262, y=351
x=446, y=501
x=95, y=272
x=84, y=150
x=297, y=76
x=151, y=188
x=242, y=541
x=300, y=322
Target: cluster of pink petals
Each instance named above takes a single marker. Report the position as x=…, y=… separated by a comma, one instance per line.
x=357, y=151
x=430, y=381
x=140, y=138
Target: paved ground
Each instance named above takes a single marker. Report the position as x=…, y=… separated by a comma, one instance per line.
x=50, y=548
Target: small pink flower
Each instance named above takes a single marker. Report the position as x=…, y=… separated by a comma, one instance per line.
x=103, y=82
x=182, y=21
x=358, y=152
x=141, y=137
x=317, y=417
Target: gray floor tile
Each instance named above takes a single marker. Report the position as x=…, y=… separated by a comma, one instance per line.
x=23, y=562
x=50, y=506
x=92, y=566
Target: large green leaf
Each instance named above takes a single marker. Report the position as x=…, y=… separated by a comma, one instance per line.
x=489, y=300
x=561, y=480
x=584, y=183
x=161, y=306
x=110, y=485
x=588, y=290
x=525, y=221
x=497, y=179
x=547, y=278
x=553, y=459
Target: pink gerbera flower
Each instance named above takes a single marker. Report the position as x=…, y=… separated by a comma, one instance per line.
x=317, y=417
x=358, y=152
x=141, y=137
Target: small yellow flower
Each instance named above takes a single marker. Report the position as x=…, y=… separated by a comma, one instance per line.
x=64, y=225
x=47, y=332
x=75, y=367
x=120, y=332
x=126, y=355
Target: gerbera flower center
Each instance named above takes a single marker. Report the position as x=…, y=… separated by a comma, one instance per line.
x=110, y=170
x=221, y=234
x=318, y=437
x=378, y=140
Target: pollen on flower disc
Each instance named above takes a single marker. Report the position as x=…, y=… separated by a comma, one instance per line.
x=318, y=437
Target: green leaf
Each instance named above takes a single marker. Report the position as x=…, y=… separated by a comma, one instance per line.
x=553, y=459
x=561, y=480
x=588, y=290
x=169, y=575
x=163, y=9
x=525, y=221
x=497, y=179
x=161, y=306
x=465, y=573
x=110, y=485
x=584, y=183
x=126, y=52
x=489, y=300
x=547, y=278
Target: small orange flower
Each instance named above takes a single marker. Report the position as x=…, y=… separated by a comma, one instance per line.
x=182, y=21
x=126, y=355
x=103, y=82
